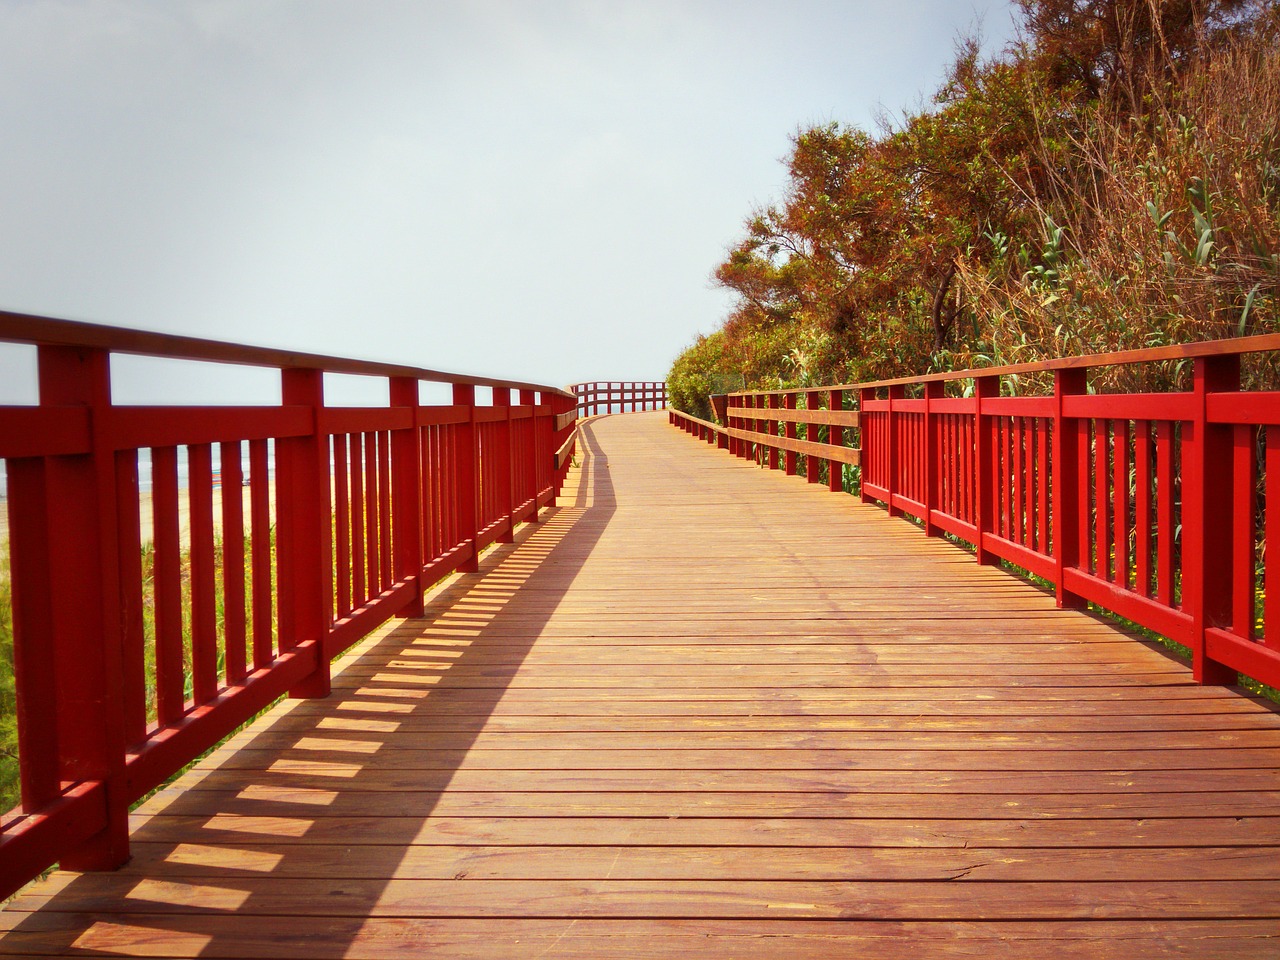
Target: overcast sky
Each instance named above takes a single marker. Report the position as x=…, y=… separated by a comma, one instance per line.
x=534, y=190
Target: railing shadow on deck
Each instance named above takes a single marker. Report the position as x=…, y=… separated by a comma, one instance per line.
x=286, y=815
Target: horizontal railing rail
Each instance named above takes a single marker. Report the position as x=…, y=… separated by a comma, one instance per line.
x=619, y=397
x=765, y=427
x=150, y=623
x=1162, y=508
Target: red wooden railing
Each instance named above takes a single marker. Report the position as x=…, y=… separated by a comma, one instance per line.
x=619, y=397
x=1150, y=505
x=366, y=509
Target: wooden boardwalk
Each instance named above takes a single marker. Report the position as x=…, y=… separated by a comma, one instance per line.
x=708, y=711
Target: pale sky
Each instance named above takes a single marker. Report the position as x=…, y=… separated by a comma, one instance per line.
x=531, y=190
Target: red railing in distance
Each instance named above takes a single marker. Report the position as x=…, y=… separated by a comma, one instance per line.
x=619, y=397
x=766, y=428
x=1153, y=506
x=302, y=527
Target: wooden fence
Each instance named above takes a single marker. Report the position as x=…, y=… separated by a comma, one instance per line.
x=1151, y=505
x=619, y=397
x=273, y=577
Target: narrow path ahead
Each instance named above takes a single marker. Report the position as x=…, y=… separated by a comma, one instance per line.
x=709, y=711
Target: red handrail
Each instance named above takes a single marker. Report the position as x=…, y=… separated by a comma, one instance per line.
x=613, y=396
x=1150, y=505
x=366, y=509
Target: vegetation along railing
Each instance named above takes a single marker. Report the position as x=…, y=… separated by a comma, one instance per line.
x=619, y=397
x=147, y=626
x=1152, y=505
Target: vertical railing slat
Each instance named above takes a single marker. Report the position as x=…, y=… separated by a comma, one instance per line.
x=261, y=551
x=1164, y=513
x=1120, y=501
x=233, y=584
x=204, y=613
x=132, y=621
x=341, y=528
x=1243, y=505
x=167, y=580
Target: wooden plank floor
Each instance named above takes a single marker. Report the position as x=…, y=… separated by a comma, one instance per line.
x=710, y=711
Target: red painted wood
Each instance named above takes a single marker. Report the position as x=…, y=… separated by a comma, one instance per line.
x=1011, y=488
x=836, y=438
x=204, y=610
x=1142, y=516
x=1046, y=482
x=167, y=584
x=1022, y=516
x=1068, y=549
x=933, y=468
x=1271, y=574
x=83, y=591
x=78, y=576
x=406, y=493
x=430, y=496
x=789, y=401
x=1243, y=505
x=812, y=431
x=1120, y=504
x=1043, y=483
x=260, y=553
x=132, y=629
x=1101, y=500
x=341, y=529
x=985, y=499
x=1206, y=517
x=372, y=542
x=359, y=557
x=1086, y=463
x=893, y=450
x=505, y=451
x=384, y=510
x=233, y=585
x=304, y=525
x=771, y=430
x=1164, y=512
x=464, y=477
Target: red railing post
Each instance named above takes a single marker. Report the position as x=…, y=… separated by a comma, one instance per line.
x=1207, y=516
x=67, y=612
x=535, y=449
x=934, y=390
x=1069, y=498
x=406, y=492
x=305, y=580
x=466, y=470
x=984, y=493
x=836, y=437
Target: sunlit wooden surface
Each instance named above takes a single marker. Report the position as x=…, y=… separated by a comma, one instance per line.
x=708, y=711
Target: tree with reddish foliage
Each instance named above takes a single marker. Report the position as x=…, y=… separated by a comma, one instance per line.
x=1110, y=47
